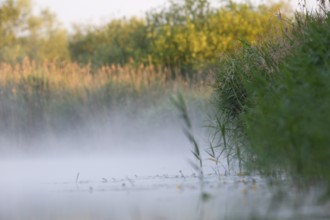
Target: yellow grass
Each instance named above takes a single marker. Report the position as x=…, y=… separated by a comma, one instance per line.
x=80, y=79
x=52, y=95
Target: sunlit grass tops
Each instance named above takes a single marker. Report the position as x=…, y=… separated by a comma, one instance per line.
x=50, y=94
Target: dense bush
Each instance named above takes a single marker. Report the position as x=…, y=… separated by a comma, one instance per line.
x=278, y=93
x=194, y=34
x=290, y=121
x=117, y=42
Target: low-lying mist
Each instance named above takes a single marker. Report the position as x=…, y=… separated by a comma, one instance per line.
x=114, y=152
x=124, y=142
x=130, y=161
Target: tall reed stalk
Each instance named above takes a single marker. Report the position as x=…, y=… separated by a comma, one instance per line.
x=180, y=104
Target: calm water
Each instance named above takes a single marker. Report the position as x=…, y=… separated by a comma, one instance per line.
x=138, y=187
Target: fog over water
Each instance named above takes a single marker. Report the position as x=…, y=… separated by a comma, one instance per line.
x=41, y=174
x=119, y=145
x=86, y=142
x=133, y=164
x=130, y=166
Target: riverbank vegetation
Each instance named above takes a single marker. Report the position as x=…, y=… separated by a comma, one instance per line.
x=269, y=71
x=276, y=96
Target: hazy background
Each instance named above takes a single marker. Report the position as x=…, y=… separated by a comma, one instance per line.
x=95, y=11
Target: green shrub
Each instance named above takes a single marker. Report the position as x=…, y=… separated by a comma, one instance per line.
x=288, y=126
x=278, y=94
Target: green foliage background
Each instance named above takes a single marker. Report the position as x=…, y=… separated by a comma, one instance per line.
x=117, y=42
x=185, y=34
x=22, y=33
x=193, y=34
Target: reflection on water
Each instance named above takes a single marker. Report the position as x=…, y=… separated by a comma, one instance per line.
x=105, y=188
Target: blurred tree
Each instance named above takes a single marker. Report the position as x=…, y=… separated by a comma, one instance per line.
x=191, y=33
x=117, y=42
x=23, y=33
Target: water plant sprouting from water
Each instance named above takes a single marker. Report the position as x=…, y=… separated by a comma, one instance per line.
x=225, y=149
x=180, y=104
x=220, y=149
x=226, y=146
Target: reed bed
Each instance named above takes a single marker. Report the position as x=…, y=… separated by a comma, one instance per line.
x=45, y=96
x=73, y=77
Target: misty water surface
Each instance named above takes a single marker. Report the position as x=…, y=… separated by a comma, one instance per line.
x=128, y=169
